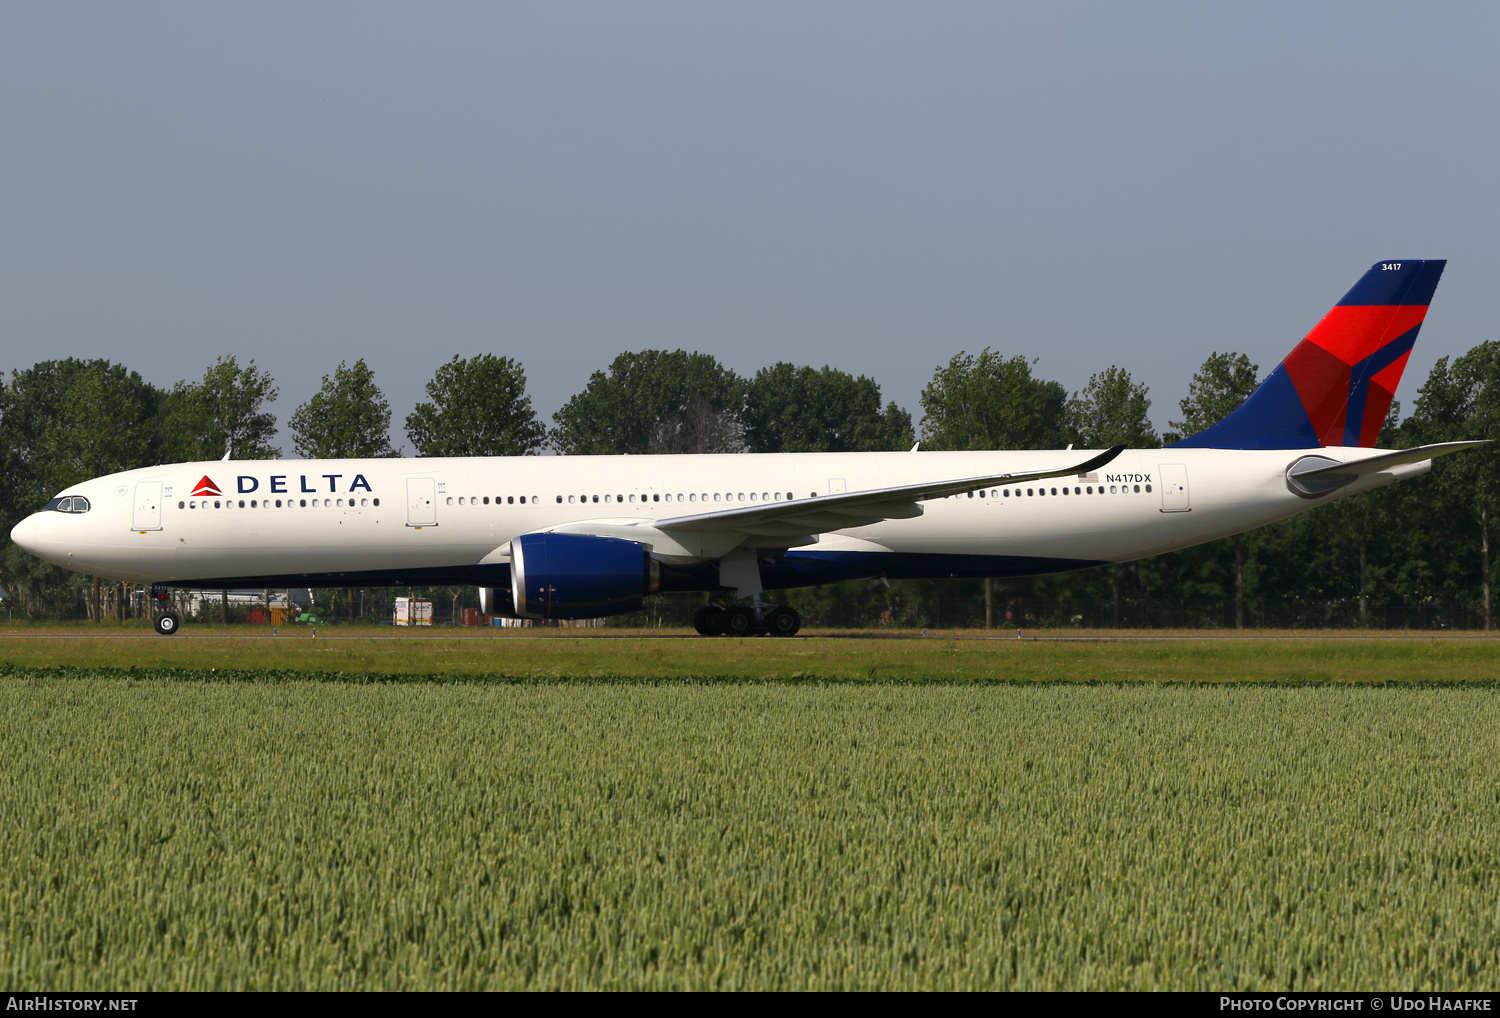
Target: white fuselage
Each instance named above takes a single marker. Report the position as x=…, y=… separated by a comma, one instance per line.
x=328, y=521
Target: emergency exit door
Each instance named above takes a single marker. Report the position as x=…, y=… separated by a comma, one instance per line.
x=1174, y=488
x=147, y=514
x=421, y=502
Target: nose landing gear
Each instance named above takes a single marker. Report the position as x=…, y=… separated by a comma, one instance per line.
x=745, y=620
x=164, y=619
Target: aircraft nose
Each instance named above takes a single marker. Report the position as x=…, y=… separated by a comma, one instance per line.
x=35, y=535
x=26, y=534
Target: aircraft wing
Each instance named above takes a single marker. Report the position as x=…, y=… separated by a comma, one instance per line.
x=803, y=516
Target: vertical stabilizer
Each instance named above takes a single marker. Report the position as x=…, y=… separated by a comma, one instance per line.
x=1336, y=387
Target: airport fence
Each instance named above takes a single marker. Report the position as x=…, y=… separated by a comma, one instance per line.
x=1207, y=615
x=676, y=611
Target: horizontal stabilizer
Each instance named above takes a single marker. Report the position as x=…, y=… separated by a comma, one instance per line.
x=1315, y=475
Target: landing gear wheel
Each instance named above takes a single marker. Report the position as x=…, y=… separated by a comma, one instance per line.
x=167, y=622
x=740, y=621
x=709, y=621
x=783, y=622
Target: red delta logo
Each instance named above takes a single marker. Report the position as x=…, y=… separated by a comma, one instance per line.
x=206, y=487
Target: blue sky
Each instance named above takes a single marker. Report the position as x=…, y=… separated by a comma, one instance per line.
x=873, y=186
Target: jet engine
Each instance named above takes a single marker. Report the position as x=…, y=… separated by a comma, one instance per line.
x=496, y=601
x=576, y=576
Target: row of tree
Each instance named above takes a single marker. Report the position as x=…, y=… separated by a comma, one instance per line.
x=1418, y=543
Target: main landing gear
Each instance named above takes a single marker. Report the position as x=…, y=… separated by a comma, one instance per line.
x=163, y=618
x=743, y=620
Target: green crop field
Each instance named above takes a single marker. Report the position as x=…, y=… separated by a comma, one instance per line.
x=302, y=829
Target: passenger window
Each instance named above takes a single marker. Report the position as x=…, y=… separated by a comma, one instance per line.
x=596, y=498
x=511, y=500
x=1028, y=491
x=1148, y=489
x=1054, y=491
x=1137, y=489
x=716, y=496
x=302, y=503
x=656, y=498
x=1113, y=490
x=375, y=501
x=971, y=494
x=693, y=497
x=559, y=500
x=570, y=499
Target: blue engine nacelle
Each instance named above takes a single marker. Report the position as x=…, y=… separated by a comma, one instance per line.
x=574, y=576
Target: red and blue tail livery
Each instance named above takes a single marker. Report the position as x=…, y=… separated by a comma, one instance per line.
x=1336, y=387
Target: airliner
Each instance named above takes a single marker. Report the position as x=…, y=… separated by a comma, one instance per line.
x=571, y=537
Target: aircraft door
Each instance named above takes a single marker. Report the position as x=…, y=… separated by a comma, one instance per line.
x=1174, y=488
x=147, y=514
x=421, y=502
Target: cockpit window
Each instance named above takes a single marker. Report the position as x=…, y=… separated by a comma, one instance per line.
x=68, y=504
